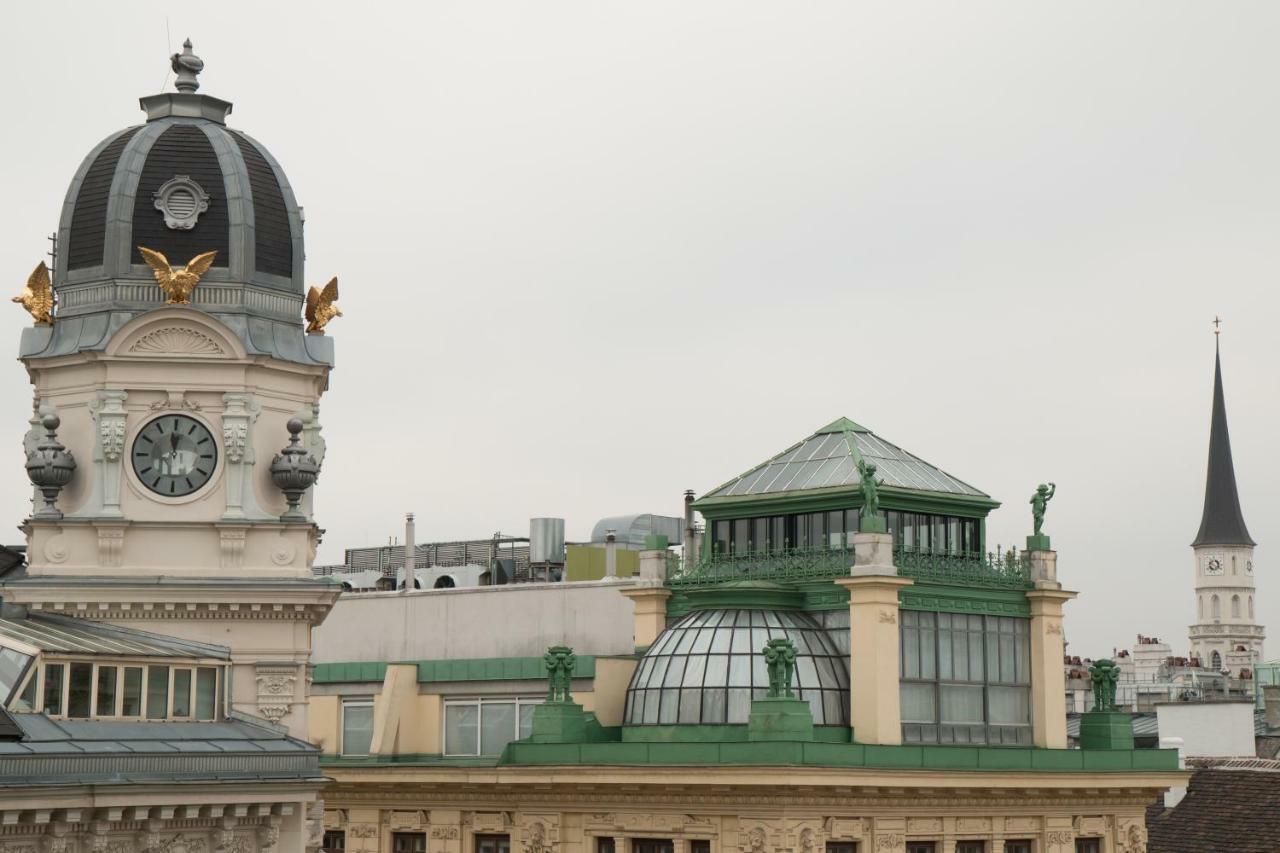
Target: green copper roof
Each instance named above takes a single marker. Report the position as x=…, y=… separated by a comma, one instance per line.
x=829, y=459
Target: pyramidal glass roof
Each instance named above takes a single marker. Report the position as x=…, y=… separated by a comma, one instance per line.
x=829, y=459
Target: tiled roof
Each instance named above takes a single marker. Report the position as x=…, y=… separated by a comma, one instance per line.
x=1224, y=809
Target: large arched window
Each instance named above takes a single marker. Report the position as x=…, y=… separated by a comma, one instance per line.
x=1251, y=607
x=1233, y=564
x=1215, y=662
x=1215, y=610
x=1235, y=607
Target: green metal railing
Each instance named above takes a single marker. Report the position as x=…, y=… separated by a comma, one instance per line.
x=1006, y=569
x=1002, y=569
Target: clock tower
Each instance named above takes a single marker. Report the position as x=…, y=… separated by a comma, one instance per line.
x=1225, y=636
x=180, y=404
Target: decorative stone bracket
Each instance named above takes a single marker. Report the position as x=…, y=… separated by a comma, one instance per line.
x=277, y=688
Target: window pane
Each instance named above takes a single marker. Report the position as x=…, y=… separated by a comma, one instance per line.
x=760, y=535
x=493, y=844
x=53, y=674
x=107, y=676
x=79, y=696
x=777, y=533
x=12, y=665
x=742, y=536
x=461, y=725
x=918, y=703
x=721, y=534
x=497, y=726
x=817, y=530
x=206, y=697
x=182, y=693
x=835, y=529
x=961, y=704
x=526, y=718
x=357, y=727
x=157, y=692
x=1009, y=705
x=132, y=706
x=27, y=701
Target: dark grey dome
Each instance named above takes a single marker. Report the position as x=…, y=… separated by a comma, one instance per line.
x=182, y=184
x=706, y=669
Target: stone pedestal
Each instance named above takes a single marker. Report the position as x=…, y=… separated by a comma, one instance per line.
x=1038, y=542
x=873, y=657
x=650, y=600
x=653, y=565
x=1048, y=681
x=1044, y=567
x=1106, y=730
x=780, y=719
x=559, y=722
x=873, y=554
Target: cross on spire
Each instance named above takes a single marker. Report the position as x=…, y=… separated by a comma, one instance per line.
x=1217, y=321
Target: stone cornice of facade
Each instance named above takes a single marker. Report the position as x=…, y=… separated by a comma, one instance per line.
x=137, y=802
x=81, y=357
x=840, y=782
x=1210, y=630
x=91, y=598
x=885, y=800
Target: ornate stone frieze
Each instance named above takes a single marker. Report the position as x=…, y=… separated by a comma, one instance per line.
x=1131, y=836
x=362, y=830
x=239, y=412
x=844, y=829
x=277, y=683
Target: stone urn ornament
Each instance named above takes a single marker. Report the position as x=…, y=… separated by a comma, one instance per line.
x=294, y=470
x=50, y=467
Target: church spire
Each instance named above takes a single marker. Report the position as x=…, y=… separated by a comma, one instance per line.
x=1222, y=522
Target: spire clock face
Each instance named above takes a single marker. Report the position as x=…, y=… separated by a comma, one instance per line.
x=174, y=455
x=1214, y=567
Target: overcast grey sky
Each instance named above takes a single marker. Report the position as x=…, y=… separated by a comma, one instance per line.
x=593, y=253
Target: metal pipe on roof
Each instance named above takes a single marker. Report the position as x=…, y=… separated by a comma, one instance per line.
x=410, y=561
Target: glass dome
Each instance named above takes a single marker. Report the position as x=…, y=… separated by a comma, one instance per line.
x=706, y=669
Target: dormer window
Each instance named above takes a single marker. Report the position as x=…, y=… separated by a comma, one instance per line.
x=125, y=689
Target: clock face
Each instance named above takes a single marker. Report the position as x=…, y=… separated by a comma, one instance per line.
x=174, y=455
x=1214, y=567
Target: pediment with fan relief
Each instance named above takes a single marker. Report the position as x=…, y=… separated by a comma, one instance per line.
x=178, y=340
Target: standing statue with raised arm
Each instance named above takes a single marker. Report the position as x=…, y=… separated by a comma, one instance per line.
x=869, y=520
x=1040, y=500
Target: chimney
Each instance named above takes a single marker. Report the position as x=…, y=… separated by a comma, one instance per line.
x=410, y=554
x=1173, y=796
x=611, y=553
x=1271, y=704
x=690, y=529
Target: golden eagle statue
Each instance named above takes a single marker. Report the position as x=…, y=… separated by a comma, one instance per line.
x=177, y=284
x=320, y=307
x=37, y=296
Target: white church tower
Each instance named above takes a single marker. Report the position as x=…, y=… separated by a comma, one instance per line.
x=1225, y=636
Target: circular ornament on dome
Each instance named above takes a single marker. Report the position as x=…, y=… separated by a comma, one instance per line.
x=181, y=200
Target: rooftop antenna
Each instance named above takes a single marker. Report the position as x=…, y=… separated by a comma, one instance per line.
x=168, y=43
x=53, y=256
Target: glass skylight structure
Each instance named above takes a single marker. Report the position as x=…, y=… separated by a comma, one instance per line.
x=706, y=669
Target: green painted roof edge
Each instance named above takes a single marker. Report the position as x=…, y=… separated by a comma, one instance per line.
x=476, y=669
x=825, y=754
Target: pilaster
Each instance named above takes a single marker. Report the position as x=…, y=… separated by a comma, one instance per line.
x=651, y=612
x=108, y=452
x=1048, y=681
x=239, y=412
x=875, y=703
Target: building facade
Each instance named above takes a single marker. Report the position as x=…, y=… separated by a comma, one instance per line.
x=1225, y=636
x=841, y=669
x=156, y=643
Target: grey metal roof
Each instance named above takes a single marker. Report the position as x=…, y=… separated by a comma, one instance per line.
x=63, y=634
x=829, y=458
x=1222, y=522
x=82, y=751
x=631, y=530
